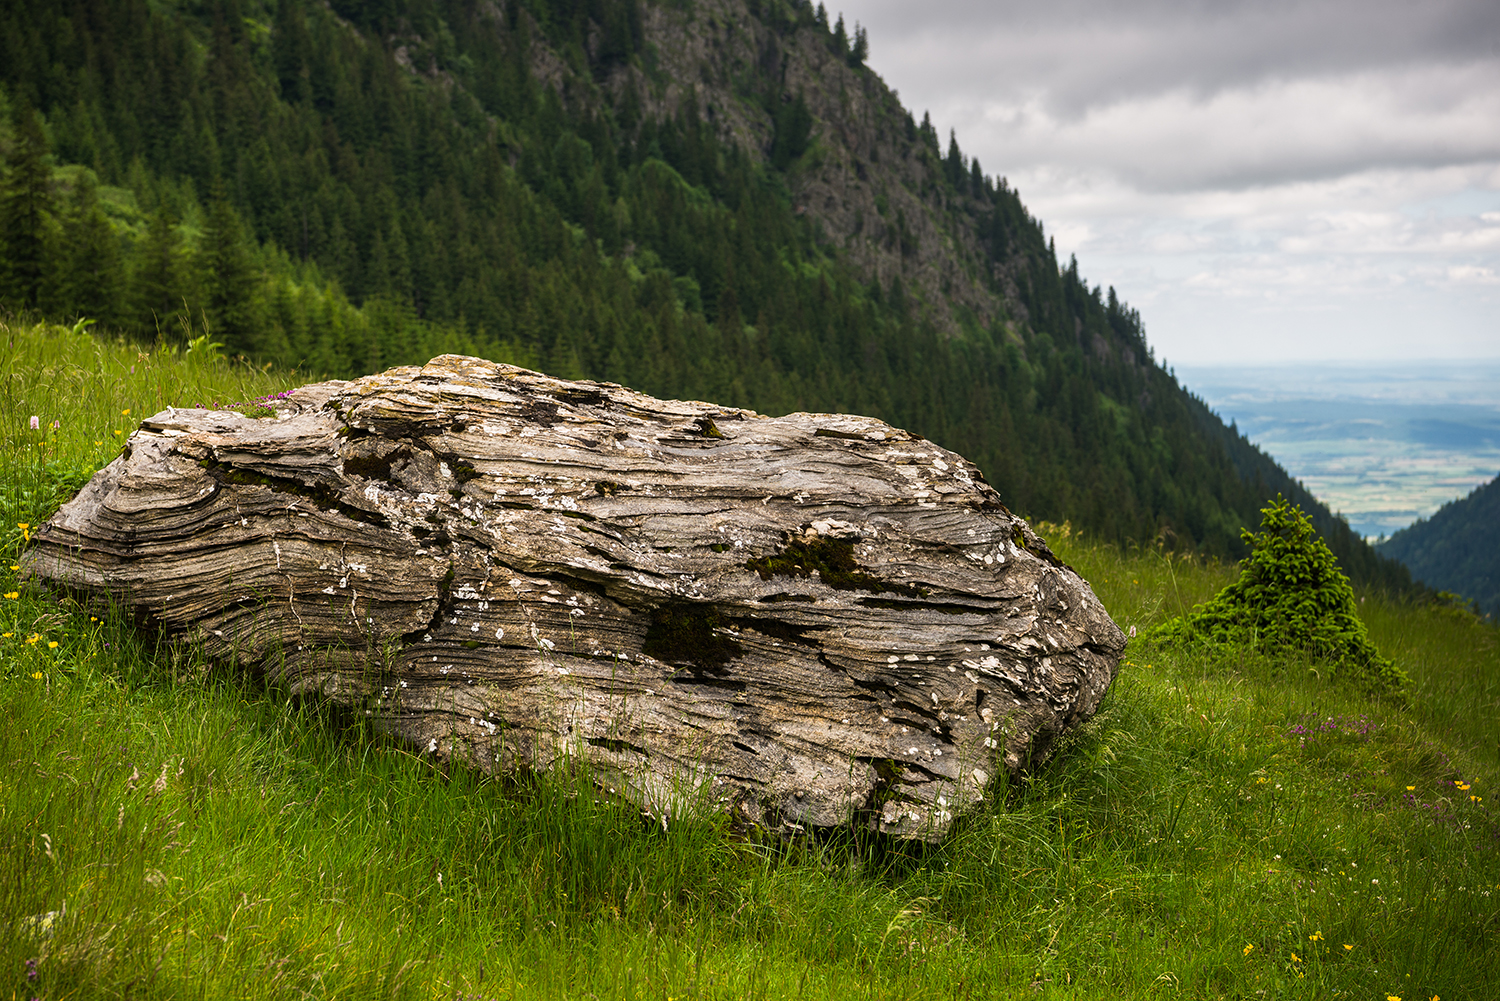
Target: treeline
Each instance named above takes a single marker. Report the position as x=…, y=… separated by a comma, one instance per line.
x=177, y=272
x=348, y=186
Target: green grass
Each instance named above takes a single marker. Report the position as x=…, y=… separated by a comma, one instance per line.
x=1231, y=827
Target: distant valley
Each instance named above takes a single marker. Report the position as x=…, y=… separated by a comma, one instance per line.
x=1383, y=444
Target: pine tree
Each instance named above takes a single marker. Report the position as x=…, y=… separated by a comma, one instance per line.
x=289, y=45
x=861, y=48
x=229, y=280
x=88, y=278
x=157, y=289
x=928, y=133
x=1290, y=596
x=954, y=164
x=26, y=211
x=793, y=130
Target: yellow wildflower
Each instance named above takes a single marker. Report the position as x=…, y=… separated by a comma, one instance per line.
x=125, y=412
x=52, y=644
x=1296, y=958
x=1411, y=788
x=1347, y=947
x=13, y=594
x=1316, y=936
x=37, y=676
x=7, y=635
x=33, y=637
x=1248, y=947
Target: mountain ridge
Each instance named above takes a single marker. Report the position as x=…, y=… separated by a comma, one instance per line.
x=1457, y=548
x=715, y=200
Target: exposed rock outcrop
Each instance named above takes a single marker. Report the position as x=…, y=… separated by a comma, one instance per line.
x=809, y=620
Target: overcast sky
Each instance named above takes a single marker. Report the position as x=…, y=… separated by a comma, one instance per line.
x=1266, y=181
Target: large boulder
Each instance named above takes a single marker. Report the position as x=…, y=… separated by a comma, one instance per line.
x=815, y=619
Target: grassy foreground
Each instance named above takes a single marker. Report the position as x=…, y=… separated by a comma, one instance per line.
x=1230, y=827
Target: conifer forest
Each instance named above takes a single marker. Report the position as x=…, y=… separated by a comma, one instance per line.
x=705, y=199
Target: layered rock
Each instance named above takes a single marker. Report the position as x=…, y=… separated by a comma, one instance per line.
x=815, y=619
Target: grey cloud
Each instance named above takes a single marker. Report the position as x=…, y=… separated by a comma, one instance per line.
x=1188, y=95
x=1082, y=53
x=1283, y=176
x=1280, y=132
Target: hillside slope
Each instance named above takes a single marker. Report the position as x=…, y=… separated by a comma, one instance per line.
x=715, y=199
x=1457, y=549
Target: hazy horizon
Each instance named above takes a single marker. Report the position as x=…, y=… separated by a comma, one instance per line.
x=1385, y=444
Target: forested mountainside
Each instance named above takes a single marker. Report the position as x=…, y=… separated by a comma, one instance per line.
x=714, y=199
x=1457, y=549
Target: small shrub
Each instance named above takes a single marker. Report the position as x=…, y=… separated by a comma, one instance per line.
x=1290, y=596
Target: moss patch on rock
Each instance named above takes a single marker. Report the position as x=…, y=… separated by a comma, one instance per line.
x=689, y=634
x=834, y=563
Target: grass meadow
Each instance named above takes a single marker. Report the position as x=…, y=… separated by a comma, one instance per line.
x=1228, y=826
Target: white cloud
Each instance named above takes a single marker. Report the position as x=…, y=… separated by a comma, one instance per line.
x=1466, y=274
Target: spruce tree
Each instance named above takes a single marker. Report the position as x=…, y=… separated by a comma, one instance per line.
x=26, y=211
x=860, y=51
x=229, y=278
x=793, y=130
x=928, y=132
x=289, y=45
x=954, y=164
x=88, y=278
x=158, y=290
x=1290, y=597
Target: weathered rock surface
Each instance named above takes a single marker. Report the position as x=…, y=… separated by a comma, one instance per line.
x=809, y=620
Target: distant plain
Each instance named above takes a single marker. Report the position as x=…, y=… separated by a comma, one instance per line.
x=1384, y=444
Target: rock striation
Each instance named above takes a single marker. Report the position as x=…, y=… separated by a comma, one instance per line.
x=810, y=620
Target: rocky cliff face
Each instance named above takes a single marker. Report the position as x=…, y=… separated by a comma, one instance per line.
x=868, y=177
